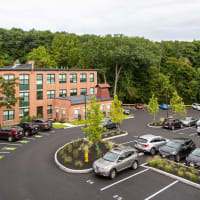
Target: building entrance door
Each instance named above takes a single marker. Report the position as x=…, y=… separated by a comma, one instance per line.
x=40, y=111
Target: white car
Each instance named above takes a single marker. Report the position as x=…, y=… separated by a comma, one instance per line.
x=196, y=106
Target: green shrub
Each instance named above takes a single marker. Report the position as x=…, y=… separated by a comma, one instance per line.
x=75, y=153
x=68, y=159
x=69, y=148
x=75, y=143
x=112, y=134
x=62, y=120
x=109, y=145
x=160, y=165
x=191, y=176
x=168, y=168
x=105, y=135
x=193, y=170
x=180, y=173
x=118, y=132
x=62, y=152
x=183, y=169
x=151, y=163
x=99, y=154
x=90, y=143
x=78, y=164
x=79, y=117
x=86, y=148
x=165, y=161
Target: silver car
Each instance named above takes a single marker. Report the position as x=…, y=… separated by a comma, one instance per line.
x=188, y=121
x=150, y=143
x=116, y=160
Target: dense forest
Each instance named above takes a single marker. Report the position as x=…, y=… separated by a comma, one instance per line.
x=140, y=67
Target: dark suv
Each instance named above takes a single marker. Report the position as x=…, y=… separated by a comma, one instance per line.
x=11, y=133
x=177, y=148
x=108, y=124
x=44, y=124
x=29, y=128
x=172, y=123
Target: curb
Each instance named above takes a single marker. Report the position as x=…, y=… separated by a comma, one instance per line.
x=196, y=185
x=153, y=126
x=117, y=136
x=68, y=170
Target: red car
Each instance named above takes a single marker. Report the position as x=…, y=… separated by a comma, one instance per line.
x=11, y=133
x=139, y=106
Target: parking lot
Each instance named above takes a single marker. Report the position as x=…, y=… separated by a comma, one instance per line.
x=38, y=170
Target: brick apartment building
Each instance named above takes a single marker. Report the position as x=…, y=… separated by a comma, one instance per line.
x=53, y=93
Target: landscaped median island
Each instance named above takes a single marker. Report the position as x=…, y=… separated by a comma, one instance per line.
x=80, y=154
x=177, y=169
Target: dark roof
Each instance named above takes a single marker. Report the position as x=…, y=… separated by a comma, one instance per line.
x=81, y=99
x=28, y=67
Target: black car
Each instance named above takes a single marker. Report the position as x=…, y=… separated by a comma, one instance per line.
x=177, y=149
x=30, y=128
x=171, y=123
x=194, y=158
x=108, y=124
x=44, y=124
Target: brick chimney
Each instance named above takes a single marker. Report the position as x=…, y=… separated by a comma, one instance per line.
x=32, y=63
x=103, y=91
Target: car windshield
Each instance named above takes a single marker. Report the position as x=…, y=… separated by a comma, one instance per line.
x=196, y=152
x=174, y=145
x=142, y=140
x=111, y=156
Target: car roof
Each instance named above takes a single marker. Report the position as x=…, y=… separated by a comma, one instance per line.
x=122, y=149
x=148, y=136
x=181, y=140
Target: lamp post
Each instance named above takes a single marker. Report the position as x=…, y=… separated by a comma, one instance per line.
x=167, y=100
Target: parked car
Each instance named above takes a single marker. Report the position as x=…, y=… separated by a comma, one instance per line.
x=139, y=106
x=171, y=123
x=194, y=158
x=177, y=149
x=150, y=143
x=198, y=130
x=126, y=111
x=115, y=161
x=30, y=128
x=164, y=106
x=194, y=106
x=11, y=133
x=188, y=121
x=44, y=124
x=198, y=123
x=108, y=124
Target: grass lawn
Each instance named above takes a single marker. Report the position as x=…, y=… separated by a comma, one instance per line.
x=78, y=122
x=58, y=126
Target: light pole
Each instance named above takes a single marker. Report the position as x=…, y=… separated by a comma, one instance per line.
x=167, y=100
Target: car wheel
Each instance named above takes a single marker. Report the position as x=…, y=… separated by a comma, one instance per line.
x=173, y=128
x=113, y=173
x=10, y=139
x=135, y=165
x=26, y=133
x=177, y=158
x=153, y=151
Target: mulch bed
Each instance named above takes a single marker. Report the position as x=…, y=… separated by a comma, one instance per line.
x=92, y=155
x=175, y=172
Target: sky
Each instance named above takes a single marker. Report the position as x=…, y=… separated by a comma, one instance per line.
x=152, y=19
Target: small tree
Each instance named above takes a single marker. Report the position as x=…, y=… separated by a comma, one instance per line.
x=116, y=111
x=153, y=106
x=94, y=119
x=177, y=104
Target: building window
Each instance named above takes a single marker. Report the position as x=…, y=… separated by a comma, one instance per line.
x=39, y=81
x=85, y=113
x=50, y=94
x=49, y=110
x=62, y=93
x=83, y=78
x=73, y=92
x=50, y=79
x=39, y=95
x=91, y=77
x=8, y=115
x=24, y=99
x=83, y=91
x=73, y=78
x=76, y=113
x=62, y=78
x=23, y=112
x=8, y=76
x=92, y=90
x=63, y=113
x=108, y=108
x=101, y=107
x=57, y=113
x=24, y=82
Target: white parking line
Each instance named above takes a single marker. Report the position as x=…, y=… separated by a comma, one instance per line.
x=29, y=138
x=108, y=186
x=168, y=186
x=181, y=133
x=11, y=144
x=182, y=129
x=128, y=142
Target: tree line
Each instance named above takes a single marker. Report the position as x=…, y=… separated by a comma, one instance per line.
x=135, y=67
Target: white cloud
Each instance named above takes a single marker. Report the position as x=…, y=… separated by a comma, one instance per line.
x=153, y=19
